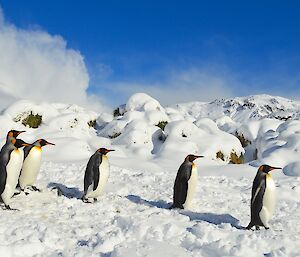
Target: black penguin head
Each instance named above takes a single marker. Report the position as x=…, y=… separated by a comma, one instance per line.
x=13, y=133
x=266, y=168
x=192, y=157
x=43, y=142
x=104, y=150
x=18, y=143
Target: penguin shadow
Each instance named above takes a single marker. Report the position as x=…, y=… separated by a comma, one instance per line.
x=213, y=218
x=69, y=192
x=138, y=200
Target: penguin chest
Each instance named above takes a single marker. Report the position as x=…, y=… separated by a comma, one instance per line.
x=103, y=177
x=269, y=197
x=268, y=201
x=31, y=167
x=192, y=184
x=13, y=171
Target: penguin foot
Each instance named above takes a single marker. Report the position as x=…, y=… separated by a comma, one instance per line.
x=89, y=199
x=7, y=207
x=250, y=225
x=34, y=188
x=30, y=188
x=86, y=200
x=267, y=228
x=17, y=193
x=173, y=206
x=257, y=228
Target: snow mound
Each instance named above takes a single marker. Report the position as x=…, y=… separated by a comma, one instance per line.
x=257, y=128
x=68, y=126
x=202, y=137
x=142, y=102
x=147, y=129
x=292, y=169
x=137, y=128
x=64, y=119
x=281, y=147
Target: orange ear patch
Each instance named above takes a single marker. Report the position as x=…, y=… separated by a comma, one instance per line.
x=10, y=134
x=261, y=168
x=14, y=141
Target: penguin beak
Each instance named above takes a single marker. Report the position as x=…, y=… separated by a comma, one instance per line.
x=19, y=132
x=107, y=150
x=275, y=168
x=26, y=144
x=198, y=156
x=48, y=143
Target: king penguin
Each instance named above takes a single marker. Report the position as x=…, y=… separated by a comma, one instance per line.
x=32, y=164
x=11, y=160
x=263, y=198
x=96, y=175
x=185, y=183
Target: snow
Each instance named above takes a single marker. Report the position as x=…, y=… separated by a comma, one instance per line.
x=292, y=169
x=132, y=217
x=243, y=109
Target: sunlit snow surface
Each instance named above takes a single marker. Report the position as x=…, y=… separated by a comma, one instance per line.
x=132, y=217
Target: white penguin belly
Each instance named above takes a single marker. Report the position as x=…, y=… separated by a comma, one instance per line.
x=269, y=200
x=31, y=167
x=13, y=171
x=192, y=184
x=103, y=177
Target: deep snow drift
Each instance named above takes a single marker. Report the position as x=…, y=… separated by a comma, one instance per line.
x=151, y=141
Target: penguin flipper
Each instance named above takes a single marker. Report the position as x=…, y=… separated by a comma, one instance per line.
x=3, y=176
x=96, y=171
x=96, y=174
x=180, y=193
x=258, y=190
x=183, y=194
x=88, y=175
x=181, y=185
x=92, y=173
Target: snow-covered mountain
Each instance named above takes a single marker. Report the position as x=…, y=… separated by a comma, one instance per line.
x=243, y=109
x=151, y=141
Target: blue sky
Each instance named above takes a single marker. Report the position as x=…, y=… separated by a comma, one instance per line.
x=175, y=50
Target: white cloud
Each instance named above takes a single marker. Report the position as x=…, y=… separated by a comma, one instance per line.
x=38, y=66
x=183, y=86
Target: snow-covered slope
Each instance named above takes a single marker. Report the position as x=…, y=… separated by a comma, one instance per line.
x=151, y=141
